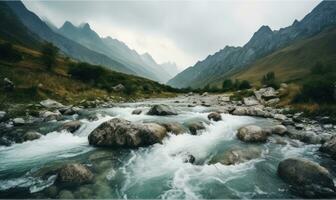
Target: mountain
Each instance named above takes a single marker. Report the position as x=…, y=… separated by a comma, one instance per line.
x=114, y=49
x=170, y=68
x=14, y=30
x=294, y=62
x=69, y=47
x=230, y=60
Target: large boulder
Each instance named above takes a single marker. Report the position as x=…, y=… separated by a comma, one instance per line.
x=74, y=175
x=122, y=133
x=279, y=130
x=252, y=133
x=330, y=147
x=215, y=116
x=194, y=126
x=307, y=177
x=49, y=103
x=161, y=110
x=237, y=155
x=71, y=126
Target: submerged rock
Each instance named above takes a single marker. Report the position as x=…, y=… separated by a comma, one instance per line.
x=252, y=133
x=137, y=112
x=330, y=147
x=74, y=175
x=215, y=116
x=237, y=155
x=122, y=133
x=162, y=110
x=309, y=178
x=71, y=126
x=194, y=126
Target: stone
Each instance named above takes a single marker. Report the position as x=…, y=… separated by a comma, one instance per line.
x=49, y=103
x=309, y=178
x=280, y=117
x=65, y=194
x=31, y=135
x=118, y=88
x=204, y=94
x=215, y=116
x=161, y=110
x=299, y=126
x=272, y=102
x=2, y=115
x=48, y=115
x=279, y=130
x=194, y=126
x=122, y=133
x=74, y=175
x=8, y=85
x=71, y=126
x=236, y=155
x=252, y=133
x=136, y=112
x=250, y=101
x=18, y=121
x=329, y=147
x=174, y=127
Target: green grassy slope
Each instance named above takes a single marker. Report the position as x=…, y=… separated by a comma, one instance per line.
x=293, y=63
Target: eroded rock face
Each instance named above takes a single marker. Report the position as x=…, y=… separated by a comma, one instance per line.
x=74, y=174
x=237, y=155
x=308, y=177
x=252, y=133
x=215, y=116
x=330, y=147
x=162, y=110
x=122, y=133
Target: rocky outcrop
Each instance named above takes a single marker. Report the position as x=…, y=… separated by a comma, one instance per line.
x=215, y=116
x=162, y=110
x=237, y=155
x=122, y=133
x=307, y=177
x=74, y=175
x=330, y=147
x=71, y=126
x=252, y=133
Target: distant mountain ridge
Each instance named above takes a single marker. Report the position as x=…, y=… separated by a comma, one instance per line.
x=265, y=41
x=115, y=49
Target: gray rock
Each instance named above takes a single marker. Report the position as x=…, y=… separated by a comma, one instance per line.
x=237, y=155
x=252, y=133
x=122, y=133
x=49, y=103
x=272, y=102
x=2, y=115
x=118, y=88
x=309, y=178
x=279, y=130
x=31, y=135
x=71, y=126
x=18, y=121
x=74, y=175
x=330, y=147
x=48, y=115
x=215, y=116
x=161, y=110
x=280, y=117
x=299, y=126
x=137, y=112
x=174, y=127
x=194, y=126
x=204, y=94
x=250, y=101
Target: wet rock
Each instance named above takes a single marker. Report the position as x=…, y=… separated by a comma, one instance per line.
x=188, y=158
x=215, y=116
x=4, y=141
x=49, y=103
x=237, y=155
x=74, y=175
x=250, y=111
x=2, y=115
x=252, y=133
x=194, y=126
x=280, y=117
x=162, y=110
x=31, y=135
x=279, y=130
x=71, y=126
x=70, y=110
x=48, y=115
x=8, y=85
x=122, y=133
x=330, y=147
x=18, y=121
x=288, y=122
x=136, y=112
x=174, y=127
x=250, y=101
x=308, y=177
x=299, y=126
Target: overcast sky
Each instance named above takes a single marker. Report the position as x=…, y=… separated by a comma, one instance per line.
x=179, y=31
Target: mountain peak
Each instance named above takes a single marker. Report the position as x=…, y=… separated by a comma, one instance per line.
x=264, y=30
x=85, y=26
x=67, y=24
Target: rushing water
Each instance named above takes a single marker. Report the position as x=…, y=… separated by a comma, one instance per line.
x=158, y=171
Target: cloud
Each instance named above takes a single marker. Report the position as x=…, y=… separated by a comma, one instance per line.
x=179, y=31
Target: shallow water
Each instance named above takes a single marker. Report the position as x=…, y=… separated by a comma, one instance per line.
x=157, y=171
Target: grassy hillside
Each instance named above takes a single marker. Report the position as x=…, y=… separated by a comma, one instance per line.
x=293, y=63
x=34, y=81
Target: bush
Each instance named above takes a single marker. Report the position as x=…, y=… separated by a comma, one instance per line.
x=227, y=85
x=269, y=80
x=49, y=55
x=86, y=72
x=130, y=89
x=244, y=85
x=8, y=53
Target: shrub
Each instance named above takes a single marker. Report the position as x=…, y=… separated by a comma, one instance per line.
x=244, y=85
x=130, y=89
x=227, y=85
x=49, y=54
x=8, y=53
x=86, y=72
